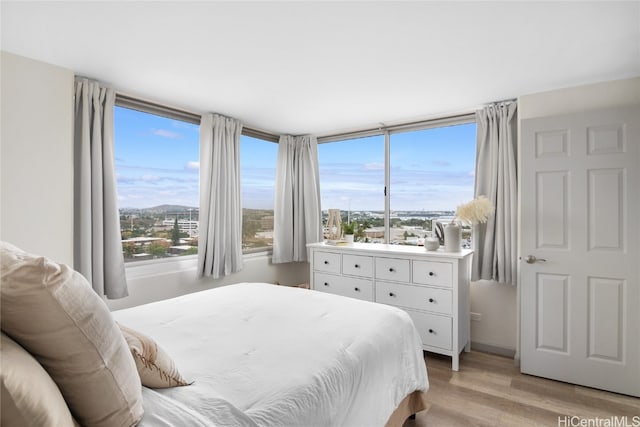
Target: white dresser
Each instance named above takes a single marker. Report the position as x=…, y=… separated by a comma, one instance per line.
x=433, y=287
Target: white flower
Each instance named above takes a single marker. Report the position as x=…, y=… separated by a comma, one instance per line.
x=476, y=211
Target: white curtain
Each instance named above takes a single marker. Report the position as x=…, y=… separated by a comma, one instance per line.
x=220, y=238
x=97, y=242
x=495, y=244
x=297, y=219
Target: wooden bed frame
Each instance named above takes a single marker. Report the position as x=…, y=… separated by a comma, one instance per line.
x=410, y=405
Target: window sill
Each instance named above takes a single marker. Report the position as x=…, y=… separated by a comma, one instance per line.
x=156, y=267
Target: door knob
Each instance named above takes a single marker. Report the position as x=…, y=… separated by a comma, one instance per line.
x=531, y=259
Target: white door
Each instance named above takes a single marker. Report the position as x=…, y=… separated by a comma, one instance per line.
x=580, y=256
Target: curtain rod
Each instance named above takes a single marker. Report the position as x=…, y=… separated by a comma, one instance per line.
x=138, y=103
x=145, y=105
x=400, y=127
x=458, y=118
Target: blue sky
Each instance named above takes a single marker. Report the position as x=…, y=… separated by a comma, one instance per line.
x=157, y=162
x=430, y=170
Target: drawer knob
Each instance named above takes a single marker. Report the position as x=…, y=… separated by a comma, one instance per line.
x=357, y=289
x=391, y=270
x=431, y=300
x=326, y=262
x=431, y=331
x=326, y=284
x=356, y=266
x=431, y=273
x=391, y=294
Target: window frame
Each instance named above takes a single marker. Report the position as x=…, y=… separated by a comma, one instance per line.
x=261, y=250
x=387, y=132
x=185, y=262
x=146, y=106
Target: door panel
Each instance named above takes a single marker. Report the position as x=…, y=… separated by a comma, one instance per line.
x=606, y=192
x=606, y=333
x=580, y=215
x=552, y=215
x=552, y=315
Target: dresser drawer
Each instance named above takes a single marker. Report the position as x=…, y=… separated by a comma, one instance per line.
x=345, y=286
x=357, y=265
x=434, y=330
x=420, y=297
x=393, y=269
x=326, y=261
x=433, y=273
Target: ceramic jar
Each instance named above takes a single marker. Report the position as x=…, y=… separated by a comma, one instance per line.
x=452, y=237
x=431, y=243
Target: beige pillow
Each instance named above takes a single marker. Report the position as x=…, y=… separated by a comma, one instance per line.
x=29, y=395
x=155, y=366
x=53, y=313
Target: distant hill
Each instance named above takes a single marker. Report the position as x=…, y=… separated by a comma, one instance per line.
x=159, y=210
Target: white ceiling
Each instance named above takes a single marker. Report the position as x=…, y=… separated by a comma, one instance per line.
x=321, y=67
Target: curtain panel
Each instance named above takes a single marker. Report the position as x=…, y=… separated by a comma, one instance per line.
x=220, y=239
x=97, y=241
x=297, y=218
x=495, y=243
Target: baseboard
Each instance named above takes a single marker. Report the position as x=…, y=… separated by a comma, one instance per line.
x=493, y=349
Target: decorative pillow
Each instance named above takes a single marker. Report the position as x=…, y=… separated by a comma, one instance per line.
x=155, y=366
x=53, y=313
x=29, y=395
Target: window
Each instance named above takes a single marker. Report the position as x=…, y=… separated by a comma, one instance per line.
x=157, y=165
x=428, y=173
x=432, y=172
x=352, y=180
x=258, y=159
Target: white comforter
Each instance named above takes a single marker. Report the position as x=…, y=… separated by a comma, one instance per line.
x=265, y=355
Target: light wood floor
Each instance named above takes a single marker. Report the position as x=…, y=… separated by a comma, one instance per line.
x=489, y=390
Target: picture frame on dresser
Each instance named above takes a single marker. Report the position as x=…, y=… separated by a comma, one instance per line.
x=431, y=286
x=438, y=231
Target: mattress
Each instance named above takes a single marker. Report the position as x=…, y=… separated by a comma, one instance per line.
x=265, y=355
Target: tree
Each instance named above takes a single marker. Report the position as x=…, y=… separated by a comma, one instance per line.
x=130, y=249
x=191, y=251
x=158, y=248
x=250, y=227
x=175, y=233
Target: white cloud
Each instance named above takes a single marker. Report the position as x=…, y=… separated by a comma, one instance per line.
x=166, y=133
x=184, y=125
x=441, y=163
x=192, y=165
x=373, y=166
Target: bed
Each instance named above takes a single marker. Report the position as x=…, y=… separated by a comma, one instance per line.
x=252, y=354
x=260, y=355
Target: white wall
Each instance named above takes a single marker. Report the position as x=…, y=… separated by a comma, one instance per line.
x=497, y=331
x=36, y=157
x=154, y=281
x=580, y=98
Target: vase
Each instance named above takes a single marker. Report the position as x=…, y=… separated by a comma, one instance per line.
x=348, y=238
x=431, y=243
x=452, y=237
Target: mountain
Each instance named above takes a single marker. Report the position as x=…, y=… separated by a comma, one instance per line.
x=159, y=210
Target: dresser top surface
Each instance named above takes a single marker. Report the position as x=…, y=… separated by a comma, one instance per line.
x=380, y=248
